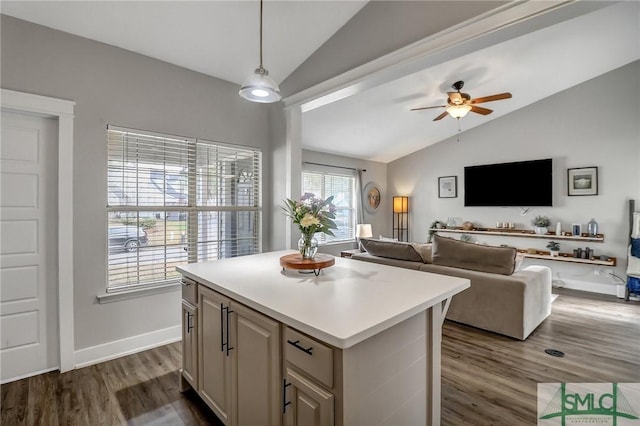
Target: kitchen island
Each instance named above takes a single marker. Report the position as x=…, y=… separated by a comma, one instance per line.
x=358, y=344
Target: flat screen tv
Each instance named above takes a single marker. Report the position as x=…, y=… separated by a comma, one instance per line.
x=518, y=184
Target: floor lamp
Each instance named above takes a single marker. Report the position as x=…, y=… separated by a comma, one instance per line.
x=401, y=218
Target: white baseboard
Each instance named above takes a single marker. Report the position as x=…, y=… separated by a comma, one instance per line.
x=128, y=346
x=594, y=287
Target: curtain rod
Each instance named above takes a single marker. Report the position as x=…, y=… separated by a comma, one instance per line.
x=337, y=167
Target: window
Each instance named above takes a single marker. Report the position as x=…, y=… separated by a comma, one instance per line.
x=173, y=201
x=342, y=186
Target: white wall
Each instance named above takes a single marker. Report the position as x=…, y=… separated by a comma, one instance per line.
x=115, y=86
x=593, y=124
x=375, y=172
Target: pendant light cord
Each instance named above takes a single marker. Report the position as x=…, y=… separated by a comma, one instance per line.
x=261, y=67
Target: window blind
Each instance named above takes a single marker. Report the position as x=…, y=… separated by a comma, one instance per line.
x=175, y=200
x=342, y=187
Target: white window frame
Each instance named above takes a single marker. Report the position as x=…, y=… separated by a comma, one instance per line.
x=324, y=239
x=192, y=208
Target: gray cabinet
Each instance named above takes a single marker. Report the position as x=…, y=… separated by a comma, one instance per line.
x=309, y=381
x=214, y=363
x=239, y=362
x=190, y=344
x=308, y=403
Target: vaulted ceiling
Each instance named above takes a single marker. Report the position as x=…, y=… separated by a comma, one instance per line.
x=220, y=38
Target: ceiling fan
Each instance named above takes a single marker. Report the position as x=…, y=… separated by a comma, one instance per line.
x=459, y=104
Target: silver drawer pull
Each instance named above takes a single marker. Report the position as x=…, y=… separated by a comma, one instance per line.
x=308, y=350
x=186, y=282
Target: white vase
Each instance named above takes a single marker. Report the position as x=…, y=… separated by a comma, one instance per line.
x=540, y=230
x=554, y=253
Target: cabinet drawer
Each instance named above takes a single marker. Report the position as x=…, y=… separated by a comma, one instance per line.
x=309, y=355
x=189, y=290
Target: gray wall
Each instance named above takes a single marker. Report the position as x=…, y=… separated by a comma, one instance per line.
x=115, y=86
x=379, y=28
x=593, y=124
x=375, y=172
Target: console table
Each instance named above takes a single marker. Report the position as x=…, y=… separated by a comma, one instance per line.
x=540, y=254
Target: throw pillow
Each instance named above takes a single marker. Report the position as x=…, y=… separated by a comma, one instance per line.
x=381, y=238
x=424, y=250
x=460, y=254
x=390, y=249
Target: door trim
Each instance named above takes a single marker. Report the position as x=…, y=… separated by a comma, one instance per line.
x=62, y=111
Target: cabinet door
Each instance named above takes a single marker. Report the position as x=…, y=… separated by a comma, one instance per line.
x=256, y=368
x=189, y=344
x=310, y=405
x=214, y=364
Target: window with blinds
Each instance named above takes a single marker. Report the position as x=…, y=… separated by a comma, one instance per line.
x=174, y=201
x=324, y=184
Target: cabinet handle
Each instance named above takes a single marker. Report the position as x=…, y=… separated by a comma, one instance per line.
x=186, y=282
x=221, y=327
x=308, y=351
x=284, y=395
x=225, y=345
x=189, y=322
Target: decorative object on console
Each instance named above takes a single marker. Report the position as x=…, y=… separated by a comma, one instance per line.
x=448, y=187
x=540, y=224
x=372, y=197
x=576, y=229
x=558, y=228
x=554, y=248
x=436, y=224
x=592, y=228
x=312, y=215
x=582, y=181
x=451, y=222
x=400, y=224
x=363, y=230
x=467, y=226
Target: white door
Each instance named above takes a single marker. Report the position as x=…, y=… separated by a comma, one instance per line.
x=28, y=248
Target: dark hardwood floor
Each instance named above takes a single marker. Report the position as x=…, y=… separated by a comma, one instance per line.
x=487, y=379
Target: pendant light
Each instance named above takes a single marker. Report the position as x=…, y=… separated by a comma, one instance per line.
x=259, y=87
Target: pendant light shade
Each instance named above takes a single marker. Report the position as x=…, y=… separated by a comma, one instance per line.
x=458, y=111
x=259, y=87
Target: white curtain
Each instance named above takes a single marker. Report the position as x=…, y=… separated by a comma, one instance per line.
x=359, y=209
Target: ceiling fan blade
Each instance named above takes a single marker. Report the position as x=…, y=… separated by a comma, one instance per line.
x=480, y=110
x=418, y=109
x=491, y=98
x=441, y=116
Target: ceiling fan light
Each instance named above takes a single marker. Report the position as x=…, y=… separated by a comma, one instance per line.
x=259, y=87
x=458, y=111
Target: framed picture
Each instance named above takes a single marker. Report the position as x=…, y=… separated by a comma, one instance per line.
x=371, y=197
x=448, y=187
x=583, y=181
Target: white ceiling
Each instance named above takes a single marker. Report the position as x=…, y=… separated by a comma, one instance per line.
x=218, y=38
x=376, y=124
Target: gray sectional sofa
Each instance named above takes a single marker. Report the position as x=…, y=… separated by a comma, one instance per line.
x=502, y=298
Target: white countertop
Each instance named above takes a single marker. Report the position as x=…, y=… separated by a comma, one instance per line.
x=346, y=304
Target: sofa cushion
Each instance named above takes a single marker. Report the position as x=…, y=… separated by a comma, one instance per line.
x=391, y=249
x=407, y=264
x=460, y=254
